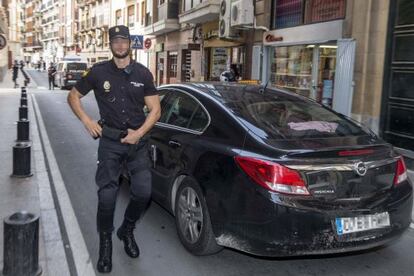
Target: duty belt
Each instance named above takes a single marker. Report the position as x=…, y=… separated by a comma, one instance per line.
x=112, y=133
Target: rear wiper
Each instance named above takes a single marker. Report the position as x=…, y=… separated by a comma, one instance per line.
x=263, y=88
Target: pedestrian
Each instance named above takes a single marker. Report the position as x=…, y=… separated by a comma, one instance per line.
x=51, y=72
x=44, y=65
x=21, y=64
x=15, y=75
x=122, y=88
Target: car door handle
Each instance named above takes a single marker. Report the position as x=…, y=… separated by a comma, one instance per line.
x=154, y=155
x=174, y=144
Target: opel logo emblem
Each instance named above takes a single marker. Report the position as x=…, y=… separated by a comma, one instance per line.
x=360, y=168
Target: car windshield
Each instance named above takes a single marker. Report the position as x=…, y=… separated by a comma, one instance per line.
x=74, y=66
x=283, y=116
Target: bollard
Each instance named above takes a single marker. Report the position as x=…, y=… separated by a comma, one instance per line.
x=21, y=245
x=23, y=128
x=21, y=160
x=24, y=94
x=23, y=101
x=23, y=113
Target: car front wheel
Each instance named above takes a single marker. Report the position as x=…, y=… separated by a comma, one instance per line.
x=193, y=220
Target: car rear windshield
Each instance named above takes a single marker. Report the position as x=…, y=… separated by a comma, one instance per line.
x=278, y=115
x=75, y=66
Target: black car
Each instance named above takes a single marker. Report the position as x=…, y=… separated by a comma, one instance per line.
x=272, y=173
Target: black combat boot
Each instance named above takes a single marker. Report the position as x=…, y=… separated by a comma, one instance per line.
x=126, y=234
x=105, y=252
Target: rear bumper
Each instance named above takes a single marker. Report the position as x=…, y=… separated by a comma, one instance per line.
x=268, y=224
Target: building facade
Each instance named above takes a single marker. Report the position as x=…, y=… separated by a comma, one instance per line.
x=4, y=27
x=92, y=39
x=32, y=46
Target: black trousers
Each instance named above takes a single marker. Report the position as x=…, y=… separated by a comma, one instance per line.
x=51, y=83
x=112, y=156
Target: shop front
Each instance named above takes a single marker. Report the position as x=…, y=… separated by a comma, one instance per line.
x=222, y=54
x=314, y=61
x=308, y=70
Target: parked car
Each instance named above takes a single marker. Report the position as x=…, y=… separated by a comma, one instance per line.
x=69, y=72
x=273, y=173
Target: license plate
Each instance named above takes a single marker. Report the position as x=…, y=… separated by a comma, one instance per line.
x=362, y=223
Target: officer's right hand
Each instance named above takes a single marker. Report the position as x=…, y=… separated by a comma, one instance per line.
x=94, y=129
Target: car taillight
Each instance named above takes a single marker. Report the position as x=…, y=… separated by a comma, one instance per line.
x=273, y=176
x=401, y=172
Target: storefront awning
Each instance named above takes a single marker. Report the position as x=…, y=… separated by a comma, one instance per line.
x=216, y=42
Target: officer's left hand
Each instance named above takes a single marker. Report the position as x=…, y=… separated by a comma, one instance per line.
x=132, y=137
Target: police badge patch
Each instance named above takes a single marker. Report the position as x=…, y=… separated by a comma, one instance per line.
x=107, y=86
x=86, y=72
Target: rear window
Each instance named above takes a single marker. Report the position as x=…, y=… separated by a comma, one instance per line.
x=281, y=116
x=74, y=66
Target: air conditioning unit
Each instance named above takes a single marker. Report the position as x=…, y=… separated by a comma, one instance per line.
x=225, y=30
x=242, y=13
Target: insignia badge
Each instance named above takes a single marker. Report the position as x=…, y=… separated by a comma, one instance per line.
x=117, y=30
x=107, y=86
x=85, y=73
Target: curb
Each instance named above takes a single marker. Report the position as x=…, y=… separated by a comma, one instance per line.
x=76, y=247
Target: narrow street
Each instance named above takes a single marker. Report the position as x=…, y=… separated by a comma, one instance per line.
x=161, y=251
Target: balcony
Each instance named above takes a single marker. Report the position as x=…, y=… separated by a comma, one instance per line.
x=203, y=12
x=167, y=19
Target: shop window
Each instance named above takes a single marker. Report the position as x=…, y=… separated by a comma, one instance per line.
x=219, y=62
x=294, y=68
x=291, y=68
x=172, y=64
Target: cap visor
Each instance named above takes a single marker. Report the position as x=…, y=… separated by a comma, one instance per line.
x=120, y=36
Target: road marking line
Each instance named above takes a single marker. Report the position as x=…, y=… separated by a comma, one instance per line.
x=80, y=252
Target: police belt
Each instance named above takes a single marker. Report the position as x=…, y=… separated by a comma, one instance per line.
x=112, y=133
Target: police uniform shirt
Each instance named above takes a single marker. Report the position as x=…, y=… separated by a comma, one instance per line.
x=119, y=92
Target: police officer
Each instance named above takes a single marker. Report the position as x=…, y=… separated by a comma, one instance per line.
x=122, y=88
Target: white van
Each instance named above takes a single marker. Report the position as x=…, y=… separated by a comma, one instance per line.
x=69, y=71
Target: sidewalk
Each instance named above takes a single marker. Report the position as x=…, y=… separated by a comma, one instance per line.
x=7, y=84
x=32, y=194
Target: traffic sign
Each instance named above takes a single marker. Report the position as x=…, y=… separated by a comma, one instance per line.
x=147, y=43
x=137, y=41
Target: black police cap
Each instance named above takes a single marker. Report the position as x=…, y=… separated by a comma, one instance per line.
x=119, y=31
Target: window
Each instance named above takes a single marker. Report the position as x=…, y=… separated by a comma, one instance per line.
x=137, y=12
x=183, y=111
x=281, y=116
x=131, y=16
x=290, y=13
x=143, y=13
x=118, y=17
x=172, y=64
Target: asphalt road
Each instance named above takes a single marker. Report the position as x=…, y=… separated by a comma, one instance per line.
x=161, y=251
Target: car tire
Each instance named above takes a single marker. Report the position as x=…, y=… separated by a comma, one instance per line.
x=192, y=220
